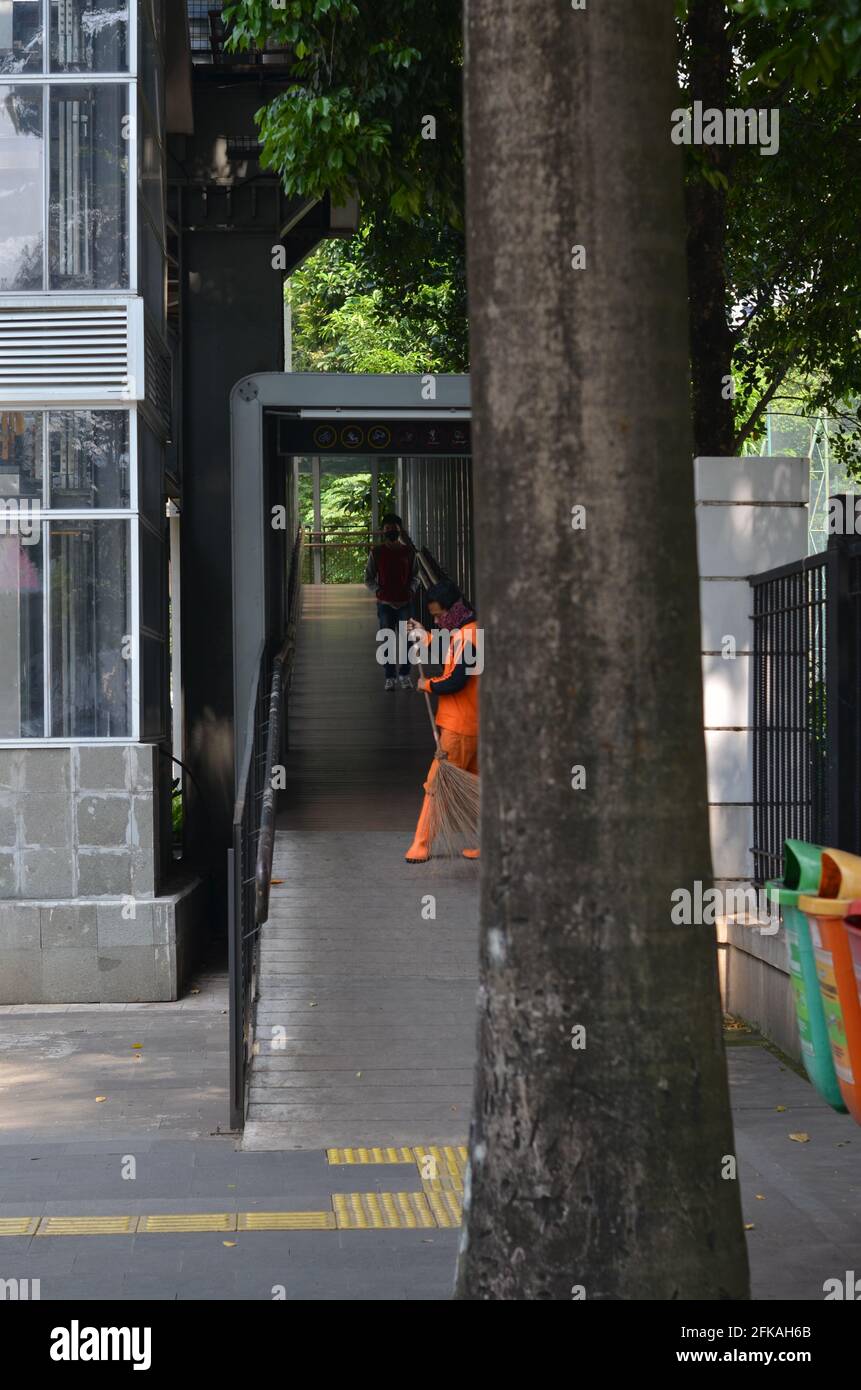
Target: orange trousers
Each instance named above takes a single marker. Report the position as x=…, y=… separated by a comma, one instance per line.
x=462, y=751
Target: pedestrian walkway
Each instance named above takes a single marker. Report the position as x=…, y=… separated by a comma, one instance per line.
x=368, y=967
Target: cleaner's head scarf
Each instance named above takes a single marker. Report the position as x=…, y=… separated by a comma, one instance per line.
x=456, y=616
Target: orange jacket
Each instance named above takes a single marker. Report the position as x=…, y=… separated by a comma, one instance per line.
x=458, y=712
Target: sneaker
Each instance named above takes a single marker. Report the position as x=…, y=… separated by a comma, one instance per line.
x=405, y=683
x=390, y=683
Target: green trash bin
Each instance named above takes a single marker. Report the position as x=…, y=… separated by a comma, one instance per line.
x=802, y=868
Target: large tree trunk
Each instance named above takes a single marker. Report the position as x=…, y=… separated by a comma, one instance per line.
x=710, y=339
x=598, y=1167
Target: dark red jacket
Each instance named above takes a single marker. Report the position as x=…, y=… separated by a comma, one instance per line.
x=394, y=566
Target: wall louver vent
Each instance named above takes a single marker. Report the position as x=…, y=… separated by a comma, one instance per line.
x=69, y=353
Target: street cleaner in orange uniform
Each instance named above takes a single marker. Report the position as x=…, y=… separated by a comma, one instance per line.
x=457, y=692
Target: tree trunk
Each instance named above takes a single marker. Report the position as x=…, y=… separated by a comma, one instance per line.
x=597, y=1167
x=710, y=338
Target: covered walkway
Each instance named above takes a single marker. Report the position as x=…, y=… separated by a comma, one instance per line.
x=367, y=964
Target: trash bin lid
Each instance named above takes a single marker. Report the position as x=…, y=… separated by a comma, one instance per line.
x=853, y=917
x=839, y=886
x=801, y=873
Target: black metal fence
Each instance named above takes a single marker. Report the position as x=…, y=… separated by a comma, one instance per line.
x=250, y=858
x=806, y=719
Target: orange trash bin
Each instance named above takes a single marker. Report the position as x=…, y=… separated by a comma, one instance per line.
x=839, y=888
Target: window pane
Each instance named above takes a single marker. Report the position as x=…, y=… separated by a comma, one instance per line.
x=21, y=598
x=20, y=36
x=89, y=172
x=90, y=623
x=89, y=36
x=89, y=458
x=149, y=67
x=20, y=454
x=20, y=188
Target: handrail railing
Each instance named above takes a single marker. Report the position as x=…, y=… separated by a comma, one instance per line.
x=247, y=859
x=281, y=671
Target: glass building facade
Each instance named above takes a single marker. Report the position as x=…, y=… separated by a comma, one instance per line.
x=82, y=508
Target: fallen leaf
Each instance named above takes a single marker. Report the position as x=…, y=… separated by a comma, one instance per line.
x=312, y=1006
x=137, y=1044
x=99, y=1099
x=759, y=1197
x=780, y=1109
x=276, y=880
x=358, y=1073
x=194, y=991
x=749, y=1226
x=800, y=1138
x=228, y=1242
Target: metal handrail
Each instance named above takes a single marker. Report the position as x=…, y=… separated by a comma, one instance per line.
x=247, y=860
x=281, y=671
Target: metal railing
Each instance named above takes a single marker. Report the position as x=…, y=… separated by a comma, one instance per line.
x=806, y=711
x=250, y=857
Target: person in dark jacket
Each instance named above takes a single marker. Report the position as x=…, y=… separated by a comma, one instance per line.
x=392, y=575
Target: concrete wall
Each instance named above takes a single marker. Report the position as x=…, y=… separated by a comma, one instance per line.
x=751, y=517
x=78, y=822
x=80, y=919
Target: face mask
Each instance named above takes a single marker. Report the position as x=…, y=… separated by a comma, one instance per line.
x=390, y=535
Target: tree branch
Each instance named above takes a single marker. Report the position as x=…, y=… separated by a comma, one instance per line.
x=757, y=412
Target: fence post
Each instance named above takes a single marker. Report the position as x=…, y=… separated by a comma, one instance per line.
x=841, y=690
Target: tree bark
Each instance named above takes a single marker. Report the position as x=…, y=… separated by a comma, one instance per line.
x=600, y=1167
x=710, y=335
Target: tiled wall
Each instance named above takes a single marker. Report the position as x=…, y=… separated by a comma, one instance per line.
x=77, y=822
x=79, y=919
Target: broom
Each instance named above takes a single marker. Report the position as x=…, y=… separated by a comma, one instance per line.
x=454, y=797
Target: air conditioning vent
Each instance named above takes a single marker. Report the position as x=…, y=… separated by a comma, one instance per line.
x=75, y=352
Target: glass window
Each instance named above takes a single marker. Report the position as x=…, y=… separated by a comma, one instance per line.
x=20, y=454
x=90, y=627
x=89, y=36
x=149, y=67
x=20, y=36
x=22, y=694
x=89, y=451
x=89, y=174
x=21, y=194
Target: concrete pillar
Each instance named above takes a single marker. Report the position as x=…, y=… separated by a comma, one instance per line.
x=751, y=517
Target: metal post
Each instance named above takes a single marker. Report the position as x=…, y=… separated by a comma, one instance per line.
x=375, y=496
x=234, y=957
x=318, y=520
x=841, y=770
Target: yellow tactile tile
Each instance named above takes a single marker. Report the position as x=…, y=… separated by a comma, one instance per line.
x=87, y=1226
x=374, y=1155
x=286, y=1221
x=18, y=1225
x=188, y=1221
x=446, y=1207
x=447, y=1183
x=378, y=1211
x=437, y=1160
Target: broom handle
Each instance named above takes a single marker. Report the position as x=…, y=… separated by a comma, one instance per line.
x=429, y=709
